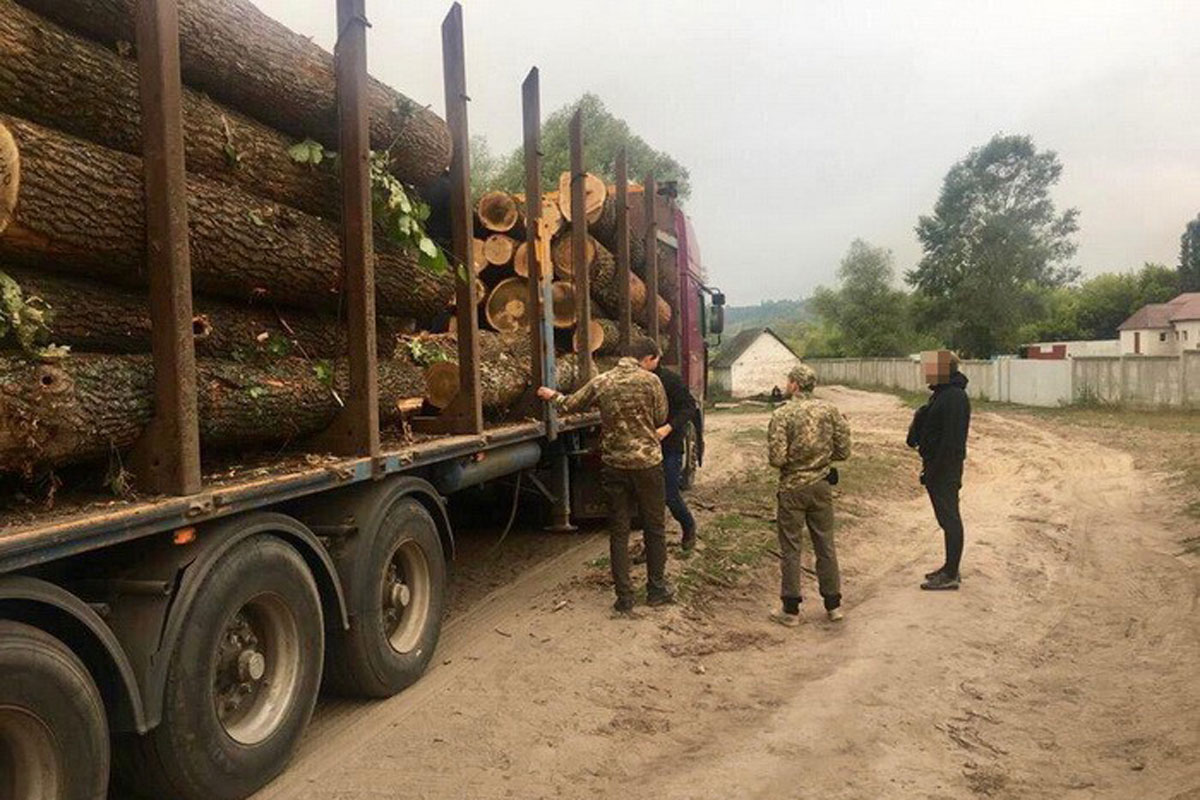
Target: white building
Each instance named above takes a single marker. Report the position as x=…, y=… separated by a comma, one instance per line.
x=752, y=363
x=1163, y=329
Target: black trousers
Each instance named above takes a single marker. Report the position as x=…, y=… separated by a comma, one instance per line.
x=943, y=491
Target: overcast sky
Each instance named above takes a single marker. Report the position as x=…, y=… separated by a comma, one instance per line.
x=808, y=123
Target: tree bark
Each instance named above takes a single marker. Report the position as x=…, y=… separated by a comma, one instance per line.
x=239, y=56
x=81, y=207
x=93, y=317
x=85, y=407
x=605, y=289
x=504, y=368
x=53, y=78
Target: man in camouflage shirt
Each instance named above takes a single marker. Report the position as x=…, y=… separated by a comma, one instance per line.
x=633, y=406
x=805, y=436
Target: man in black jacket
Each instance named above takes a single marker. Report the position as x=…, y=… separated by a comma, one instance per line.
x=939, y=432
x=681, y=409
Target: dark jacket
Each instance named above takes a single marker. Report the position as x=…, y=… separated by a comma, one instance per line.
x=939, y=428
x=681, y=409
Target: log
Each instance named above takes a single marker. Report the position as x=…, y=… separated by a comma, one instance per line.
x=599, y=335
x=93, y=317
x=81, y=207
x=10, y=177
x=551, y=213
x=606, y=284
x=84, y=407
x=594, y=192
x=239, y=56
x=562, y=254
x=73, y=85
x=498, y=249
x=562, y=304
x=521, y=264
x=497, y=212
x=507, y=308
x=478, y=256
x=504, y=369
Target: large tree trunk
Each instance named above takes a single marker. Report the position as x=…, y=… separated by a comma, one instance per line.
x=81, y=206
x=504, y=368
x=605, y=231
x=238, y=55
x=85, y=407
x=58, y=80
x=606, y=289
x=93, y=317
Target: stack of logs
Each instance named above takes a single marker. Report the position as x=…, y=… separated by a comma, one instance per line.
x=501, y=264
x=265, y=249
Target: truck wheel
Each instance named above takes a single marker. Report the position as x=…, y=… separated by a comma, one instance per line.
x=690, y=457
x=397, y=595
x=53, y=729
x=242, y=681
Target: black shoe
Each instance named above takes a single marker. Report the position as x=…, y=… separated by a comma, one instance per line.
x=661, y=599
x=689, y=542
x=940, y=571
x=941, y=582
x=623, y=607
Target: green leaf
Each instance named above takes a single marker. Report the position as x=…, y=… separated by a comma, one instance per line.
x=428, y=246
x=256, y=392
x=323, y=369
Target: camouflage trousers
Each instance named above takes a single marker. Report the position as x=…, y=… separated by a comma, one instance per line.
x=810, y=507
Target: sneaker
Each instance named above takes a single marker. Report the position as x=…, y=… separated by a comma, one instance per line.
x=930, y=575
x=785, y=619
x=661, y=599
x=835, y=615
x=941, y=582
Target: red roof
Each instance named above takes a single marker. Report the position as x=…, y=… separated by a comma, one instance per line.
x=1160, y=315
x=1186, y=307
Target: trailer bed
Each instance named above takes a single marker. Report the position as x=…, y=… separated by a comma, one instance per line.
x=43, y=535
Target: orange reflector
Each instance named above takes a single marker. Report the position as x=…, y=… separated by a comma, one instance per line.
x=185, y=536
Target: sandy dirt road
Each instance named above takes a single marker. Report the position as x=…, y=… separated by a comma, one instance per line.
x=1067, y=667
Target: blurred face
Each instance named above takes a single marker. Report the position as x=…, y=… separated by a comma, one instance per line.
x=936, y=366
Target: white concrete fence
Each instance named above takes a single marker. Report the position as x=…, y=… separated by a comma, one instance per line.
x=1144, y=381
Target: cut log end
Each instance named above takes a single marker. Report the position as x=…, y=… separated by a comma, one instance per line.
x=521, y=264
x=563, y=255
x=498, y=249
x=562, y=303
x=507, y=308
x=596, y=338
x=478, y=255
x=498, y=211
x=10, y=176
x=594, y=192
x=441, y=383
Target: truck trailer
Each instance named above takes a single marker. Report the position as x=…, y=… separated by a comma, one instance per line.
x=179, y=639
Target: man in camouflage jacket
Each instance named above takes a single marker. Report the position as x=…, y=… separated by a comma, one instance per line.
x=633, y=406
x=805, y=436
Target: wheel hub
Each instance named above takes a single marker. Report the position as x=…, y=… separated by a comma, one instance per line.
x=405, y=596
x=29, y=761
x=257, y=669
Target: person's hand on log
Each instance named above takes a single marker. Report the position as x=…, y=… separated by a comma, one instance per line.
x=664, y=431
x=546, y=393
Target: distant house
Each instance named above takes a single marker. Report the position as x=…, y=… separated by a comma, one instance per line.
x=752, y=363
x=1053, y=351
x=1163, y=329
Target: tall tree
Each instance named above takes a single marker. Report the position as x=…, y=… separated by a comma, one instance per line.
x=1189, y=257
x=485, y=166
x=604, y=135
x=993, y=240
x=866, y=314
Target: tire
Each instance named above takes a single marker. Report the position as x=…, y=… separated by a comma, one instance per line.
x=53, y=729
x=691, y=457
x=255, y=622
x=396, y=594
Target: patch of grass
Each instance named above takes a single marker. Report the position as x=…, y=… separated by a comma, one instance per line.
x=732, y=547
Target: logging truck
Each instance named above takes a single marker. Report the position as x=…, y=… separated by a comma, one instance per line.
x=243, y=371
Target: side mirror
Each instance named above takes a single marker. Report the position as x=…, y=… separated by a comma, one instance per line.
x=716, y=325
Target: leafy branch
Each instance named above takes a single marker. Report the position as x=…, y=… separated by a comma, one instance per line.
x=398, y=214
x=27, y=321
